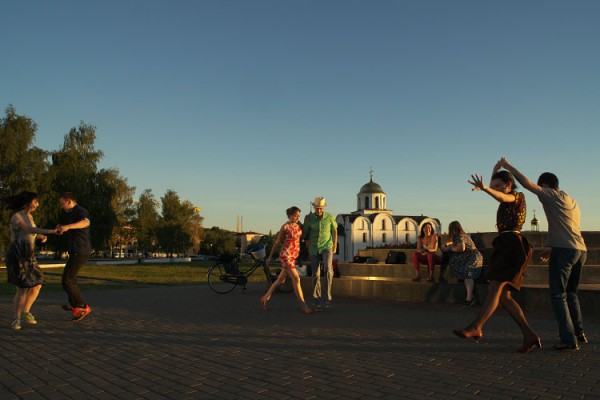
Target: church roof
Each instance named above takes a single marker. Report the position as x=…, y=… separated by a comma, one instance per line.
x=371, y=187
x=397, y=218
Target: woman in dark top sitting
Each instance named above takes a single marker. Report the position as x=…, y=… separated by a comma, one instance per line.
x=512, y=252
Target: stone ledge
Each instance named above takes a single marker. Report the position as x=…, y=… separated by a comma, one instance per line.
x=530, y=297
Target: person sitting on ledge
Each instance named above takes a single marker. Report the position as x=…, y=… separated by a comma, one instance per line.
x=427, y=247
x=464, y=259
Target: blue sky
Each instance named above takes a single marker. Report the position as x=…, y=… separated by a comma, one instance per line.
x=248, y=107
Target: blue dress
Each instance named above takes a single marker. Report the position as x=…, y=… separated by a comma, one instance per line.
x=466, y=264
x=21, y=265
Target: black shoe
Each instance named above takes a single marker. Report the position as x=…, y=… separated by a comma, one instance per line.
x=566, y=346
x=581, y=338
x=469, y=303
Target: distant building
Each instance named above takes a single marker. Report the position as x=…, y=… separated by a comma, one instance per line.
x=247, y=239
x=373, y=225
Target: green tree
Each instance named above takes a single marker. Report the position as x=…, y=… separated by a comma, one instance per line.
x=145, y=221
x=218, y=241
x=121, y=210
x=180, y=222
x=22, y=165
x=104, y=193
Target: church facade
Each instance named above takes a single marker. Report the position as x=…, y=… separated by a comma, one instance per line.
x=374, y=225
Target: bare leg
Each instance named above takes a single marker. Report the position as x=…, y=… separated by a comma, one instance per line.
x=293, y=273
x=515, y=311
x=492, y=300
x=31, y=296
x=19, y=301
x=469, y=285
x=280, y=279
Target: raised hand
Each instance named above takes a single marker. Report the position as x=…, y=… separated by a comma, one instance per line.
x=477, y=182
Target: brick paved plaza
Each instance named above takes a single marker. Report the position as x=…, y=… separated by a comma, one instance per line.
x=187, y=342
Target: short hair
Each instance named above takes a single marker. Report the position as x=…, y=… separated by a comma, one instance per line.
x=505, y=177
x=549, y=179
x=68, y=196
x=17, y=202
x=292, y=210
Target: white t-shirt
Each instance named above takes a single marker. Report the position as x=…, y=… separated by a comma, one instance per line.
x=564, y=218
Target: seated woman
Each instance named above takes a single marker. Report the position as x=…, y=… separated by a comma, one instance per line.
x=427, y=246
x=464, y=259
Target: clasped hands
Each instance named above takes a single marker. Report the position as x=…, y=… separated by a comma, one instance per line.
x=60, y=229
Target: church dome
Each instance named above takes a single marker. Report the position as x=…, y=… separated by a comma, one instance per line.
x=371, y=187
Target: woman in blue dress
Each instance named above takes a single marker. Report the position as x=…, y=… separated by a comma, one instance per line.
x=21, y=265
x=464, y=260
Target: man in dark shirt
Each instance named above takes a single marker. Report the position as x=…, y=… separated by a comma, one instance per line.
x=79, y=248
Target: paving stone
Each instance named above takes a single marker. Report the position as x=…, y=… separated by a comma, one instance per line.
x=135, y=345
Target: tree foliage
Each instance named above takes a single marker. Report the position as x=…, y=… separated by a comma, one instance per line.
x=22, y=165
x=115, y=220
x=145, y=221
x=218, y=241
x=180, y=224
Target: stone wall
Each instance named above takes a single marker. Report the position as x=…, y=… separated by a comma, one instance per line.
x=483, y=240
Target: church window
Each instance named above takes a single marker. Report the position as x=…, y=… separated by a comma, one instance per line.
x=364, y=238
x=406, y=238
x=366, y=203
x=383, y=224
x=377, y=203
x=406, y=226
x=383, y=237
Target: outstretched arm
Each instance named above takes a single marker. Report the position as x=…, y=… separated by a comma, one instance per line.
x=522, y=179
x=477, y=182
x=31, y=229
x=81, y=224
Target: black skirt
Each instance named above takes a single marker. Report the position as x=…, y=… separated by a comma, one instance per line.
x=512, y=253
x=22, y=267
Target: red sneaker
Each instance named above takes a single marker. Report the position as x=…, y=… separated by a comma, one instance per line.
x=81, y=313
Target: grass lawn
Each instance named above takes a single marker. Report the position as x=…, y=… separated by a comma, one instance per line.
x=118, y=276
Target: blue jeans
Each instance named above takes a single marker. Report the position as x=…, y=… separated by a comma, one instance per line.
x=564, y=272
x=316, y=261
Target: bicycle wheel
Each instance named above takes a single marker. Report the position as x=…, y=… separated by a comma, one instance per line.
x=219, y=281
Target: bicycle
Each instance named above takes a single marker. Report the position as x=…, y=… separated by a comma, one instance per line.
x=226, y=274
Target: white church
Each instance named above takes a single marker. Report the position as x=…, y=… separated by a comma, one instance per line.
x=373, y=225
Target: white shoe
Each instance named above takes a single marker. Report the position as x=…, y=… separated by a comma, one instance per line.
x=28, y=317
x=16, y=325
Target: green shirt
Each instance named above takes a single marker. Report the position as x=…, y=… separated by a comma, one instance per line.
x=319, y=232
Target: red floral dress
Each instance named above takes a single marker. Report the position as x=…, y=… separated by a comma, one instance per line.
x=291, y=246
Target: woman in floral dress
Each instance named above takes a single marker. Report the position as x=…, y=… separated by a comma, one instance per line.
x=290, y=233
x=21, y=265
x=464, y=260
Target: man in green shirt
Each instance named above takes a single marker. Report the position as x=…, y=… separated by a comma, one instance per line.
x=320, y=234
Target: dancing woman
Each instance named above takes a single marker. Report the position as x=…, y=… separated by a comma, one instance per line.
x=290, y=233
x=21, y=265
x=512, y=252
